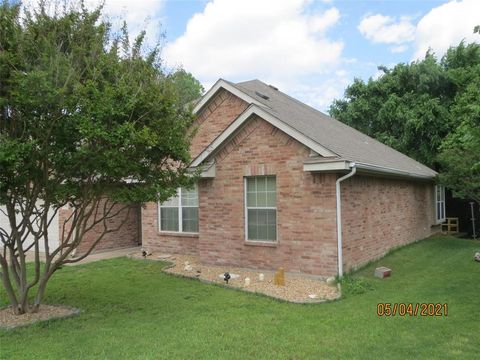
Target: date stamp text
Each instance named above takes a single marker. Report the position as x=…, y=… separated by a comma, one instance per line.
x=412, y=309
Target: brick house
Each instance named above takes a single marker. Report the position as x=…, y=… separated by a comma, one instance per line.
x=284, y=185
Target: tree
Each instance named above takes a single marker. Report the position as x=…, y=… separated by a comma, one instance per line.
x=87, y=120
x=460, y=151
x=405, y=108
x=427, y=109
x=187, y=87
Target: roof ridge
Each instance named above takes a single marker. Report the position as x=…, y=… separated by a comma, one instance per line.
x=308, y=107
x=291, y=98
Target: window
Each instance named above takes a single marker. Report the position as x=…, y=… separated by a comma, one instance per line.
x=440, y=203
x=180, y=213
x=261, y=208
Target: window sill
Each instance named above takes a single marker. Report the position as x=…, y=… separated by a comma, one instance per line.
x=178, y=234
x=261, y=243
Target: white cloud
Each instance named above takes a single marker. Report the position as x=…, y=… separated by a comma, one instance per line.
x=321, y=94
x=321, y=22
x=399, y=49
x=446, y=25
x=443, y=26
x=139, y=14
x=387, y=30
x=273, y=40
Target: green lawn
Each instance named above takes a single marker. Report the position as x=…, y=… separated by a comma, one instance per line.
x=131, y=310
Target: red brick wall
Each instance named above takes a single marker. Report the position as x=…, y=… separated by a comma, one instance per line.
x=305, y=205
x=170, y=243
x=220, y=112
x=305, y=208
x=127, y=236
x=380, y=214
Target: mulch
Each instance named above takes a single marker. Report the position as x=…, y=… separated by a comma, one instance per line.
x=8, y=320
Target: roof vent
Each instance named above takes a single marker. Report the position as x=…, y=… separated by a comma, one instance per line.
x=262, y=95
x=273, y=87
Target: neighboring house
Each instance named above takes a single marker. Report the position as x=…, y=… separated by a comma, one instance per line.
x=128, y=237
x=54, y=236
x=267, y=196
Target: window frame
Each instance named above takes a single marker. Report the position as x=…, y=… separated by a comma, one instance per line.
x=440, y=201
x=179, y=214
x=246, y=208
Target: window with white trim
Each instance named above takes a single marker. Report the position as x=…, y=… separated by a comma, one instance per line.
x=180, y=213
x=440, y=203
x=261, y=208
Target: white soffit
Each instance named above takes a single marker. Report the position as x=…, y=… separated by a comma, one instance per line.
x=327, y=166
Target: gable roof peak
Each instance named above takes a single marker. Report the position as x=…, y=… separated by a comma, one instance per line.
x=315, y=127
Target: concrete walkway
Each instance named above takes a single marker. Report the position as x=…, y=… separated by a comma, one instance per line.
x=108, y=254
x=101, y=255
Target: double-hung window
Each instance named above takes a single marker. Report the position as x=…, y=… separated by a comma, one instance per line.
x=261, y=208
x=180, y=213
x=440, y=203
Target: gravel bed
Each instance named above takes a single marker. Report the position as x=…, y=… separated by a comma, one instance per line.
x=298, y=288
x=8, y=320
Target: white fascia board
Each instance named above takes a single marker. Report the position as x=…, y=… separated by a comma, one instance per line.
x=222, y=137
x=253, y=109
x=305, y=140
x=327, y=166
x=367, y=168
x=208, y=172
x=391, y=171
x=225, y=85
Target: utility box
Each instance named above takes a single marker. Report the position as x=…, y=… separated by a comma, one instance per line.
x=382, y=272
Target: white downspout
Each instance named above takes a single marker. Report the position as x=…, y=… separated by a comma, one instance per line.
x=339, y=218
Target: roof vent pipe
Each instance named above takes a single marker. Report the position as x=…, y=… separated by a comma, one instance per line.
x=339, y=218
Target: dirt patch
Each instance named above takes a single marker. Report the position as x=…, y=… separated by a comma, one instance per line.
x=298, y=288
x=8, y=320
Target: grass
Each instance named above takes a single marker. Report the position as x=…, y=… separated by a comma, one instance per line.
x=131, y=310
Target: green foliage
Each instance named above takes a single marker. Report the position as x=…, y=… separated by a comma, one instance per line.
x=352, y=285
x=82, y=111
x=423, y=109
x=460, y=151
x=87, y=119
x=404, y=108
x=187, y=87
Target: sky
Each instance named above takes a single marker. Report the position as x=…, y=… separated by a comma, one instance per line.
x=309, y=49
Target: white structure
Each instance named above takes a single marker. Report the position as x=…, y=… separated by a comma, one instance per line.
x=53, y=233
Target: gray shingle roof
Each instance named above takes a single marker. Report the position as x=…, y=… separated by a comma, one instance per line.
x=345, y=141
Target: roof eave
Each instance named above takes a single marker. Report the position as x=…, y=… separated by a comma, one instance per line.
x=377, y=169
x=364, y=168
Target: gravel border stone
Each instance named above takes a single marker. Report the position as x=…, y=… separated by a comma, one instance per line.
x=299, y=288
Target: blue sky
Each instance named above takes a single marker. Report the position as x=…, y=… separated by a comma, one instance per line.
x=310, y=49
